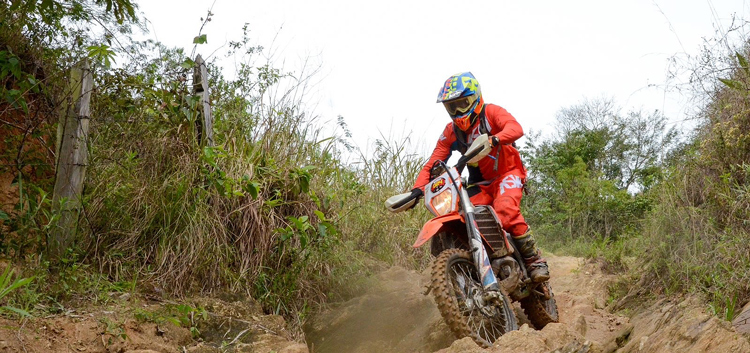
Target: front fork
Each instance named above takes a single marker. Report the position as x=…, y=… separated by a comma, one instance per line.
x=478, y=251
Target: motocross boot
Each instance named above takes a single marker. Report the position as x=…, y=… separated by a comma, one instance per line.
x=535, y=264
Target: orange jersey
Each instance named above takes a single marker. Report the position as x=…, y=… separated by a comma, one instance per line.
x=502, y=159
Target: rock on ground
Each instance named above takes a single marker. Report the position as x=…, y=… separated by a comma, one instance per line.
x=682, y=327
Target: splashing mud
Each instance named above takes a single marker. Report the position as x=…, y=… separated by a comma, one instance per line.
x=393, y=316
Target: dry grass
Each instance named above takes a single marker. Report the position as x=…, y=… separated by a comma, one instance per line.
x=696, y=240
x=178, y=218
x=273, y=211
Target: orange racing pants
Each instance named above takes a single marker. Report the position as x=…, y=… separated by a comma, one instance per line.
x=504, y=194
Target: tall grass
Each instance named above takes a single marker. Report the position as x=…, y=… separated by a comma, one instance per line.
x=389, y=169
x=691, y=249
x=276, y=209
x=698, y=237
x=272, y=211
x=186, y=217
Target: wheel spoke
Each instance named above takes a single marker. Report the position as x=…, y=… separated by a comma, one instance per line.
x=481, y=324
x=492, y=331
x=484, y=329
x=465, y=310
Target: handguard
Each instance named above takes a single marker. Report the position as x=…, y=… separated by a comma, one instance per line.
x=400, y=202
x=482, y=144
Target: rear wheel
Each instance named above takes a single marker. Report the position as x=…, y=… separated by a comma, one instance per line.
x=541, y=311
x=458, y=294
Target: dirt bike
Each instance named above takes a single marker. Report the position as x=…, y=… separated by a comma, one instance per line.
x=477, y=270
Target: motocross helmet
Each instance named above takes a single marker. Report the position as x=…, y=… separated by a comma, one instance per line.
x=462, y=99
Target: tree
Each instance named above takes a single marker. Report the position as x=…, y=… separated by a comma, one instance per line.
x=589, y=179
x=625, y=148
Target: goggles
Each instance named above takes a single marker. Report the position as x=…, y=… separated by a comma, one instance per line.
x=460, y=106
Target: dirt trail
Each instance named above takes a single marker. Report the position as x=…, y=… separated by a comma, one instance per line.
x=394, y=316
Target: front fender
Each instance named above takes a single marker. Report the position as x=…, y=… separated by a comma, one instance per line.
x=434, y=226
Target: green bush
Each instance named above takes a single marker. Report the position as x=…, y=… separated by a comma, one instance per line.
x=589, y=184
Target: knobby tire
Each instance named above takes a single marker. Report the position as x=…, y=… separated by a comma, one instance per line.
x=447, y=292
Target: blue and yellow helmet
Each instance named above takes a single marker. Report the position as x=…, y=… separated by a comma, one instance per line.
x=462, y=98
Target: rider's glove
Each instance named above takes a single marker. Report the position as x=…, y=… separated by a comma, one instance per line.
x=416, y=193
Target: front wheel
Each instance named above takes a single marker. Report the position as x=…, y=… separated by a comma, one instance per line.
x=458, y=293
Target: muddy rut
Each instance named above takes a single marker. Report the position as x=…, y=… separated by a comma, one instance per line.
x=395, y=316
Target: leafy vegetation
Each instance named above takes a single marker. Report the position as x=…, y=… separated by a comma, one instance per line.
x=276, y=210
x=590, y=183
x=699, y=232
x=624, y=188
x=270, y=211
x=7, y=287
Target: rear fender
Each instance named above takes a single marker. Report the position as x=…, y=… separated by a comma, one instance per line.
x=434, y=226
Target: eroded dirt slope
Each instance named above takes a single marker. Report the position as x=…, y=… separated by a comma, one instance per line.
x=131, y=326
x=394, y=316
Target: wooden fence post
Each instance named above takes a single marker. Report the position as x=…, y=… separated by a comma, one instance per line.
x=71, y=160
x=204, y=123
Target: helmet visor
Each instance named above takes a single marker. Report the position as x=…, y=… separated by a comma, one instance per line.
x=460, y=106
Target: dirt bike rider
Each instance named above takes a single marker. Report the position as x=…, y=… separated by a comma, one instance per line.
x=499, y=177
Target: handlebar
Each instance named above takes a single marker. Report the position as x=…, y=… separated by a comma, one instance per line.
x=403, y=202
x=465, y=159
x=395, y=203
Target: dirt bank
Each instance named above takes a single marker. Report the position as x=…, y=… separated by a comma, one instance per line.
x=392, y=316
x=130, y=325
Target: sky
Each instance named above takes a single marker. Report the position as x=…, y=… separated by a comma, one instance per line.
x=383, y=62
